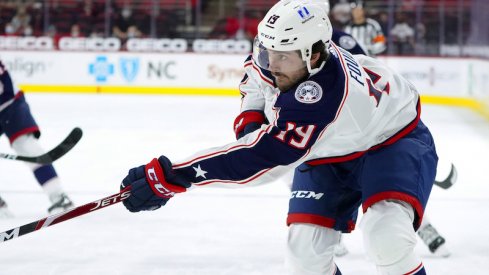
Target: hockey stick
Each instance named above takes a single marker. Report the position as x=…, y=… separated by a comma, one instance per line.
x=450, y=180
x=66, y=145
x=64, y=216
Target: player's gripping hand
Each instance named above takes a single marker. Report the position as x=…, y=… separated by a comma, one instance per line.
x=247, y=122
x=152, y=185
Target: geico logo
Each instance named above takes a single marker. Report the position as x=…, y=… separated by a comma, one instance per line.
x=306, y=195
x=222, y=46
x=90, y=44
x=157, y=45
x=26, y=43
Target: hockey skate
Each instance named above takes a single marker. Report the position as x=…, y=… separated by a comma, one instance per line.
x=434, y=241
x=60, y=203
x=4, y=211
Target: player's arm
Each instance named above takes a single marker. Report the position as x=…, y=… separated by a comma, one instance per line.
x=253, y=100
x=259, y=157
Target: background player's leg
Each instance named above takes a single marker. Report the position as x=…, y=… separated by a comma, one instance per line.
x=4, y=211
x=430, y=236
x=310, y=249
x=389, y=238
x=45, y=175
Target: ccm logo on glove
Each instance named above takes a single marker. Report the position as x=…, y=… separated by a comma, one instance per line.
x=157, y=181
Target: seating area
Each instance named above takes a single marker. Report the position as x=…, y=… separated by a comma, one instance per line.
x=91, y=16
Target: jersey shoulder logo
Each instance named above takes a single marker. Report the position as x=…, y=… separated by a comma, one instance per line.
x=309, y=92
x=347, y=42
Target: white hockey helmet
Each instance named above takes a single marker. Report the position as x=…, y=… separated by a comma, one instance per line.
x=324, y=4
x=291, y=26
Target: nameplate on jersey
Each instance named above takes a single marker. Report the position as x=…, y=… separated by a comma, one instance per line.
x=309, y=92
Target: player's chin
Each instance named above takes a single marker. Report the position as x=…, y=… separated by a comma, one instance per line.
x=283, y=83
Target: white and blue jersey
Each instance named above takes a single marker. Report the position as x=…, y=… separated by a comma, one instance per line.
x=340, y=112
x=15, y=115
x=354, y=116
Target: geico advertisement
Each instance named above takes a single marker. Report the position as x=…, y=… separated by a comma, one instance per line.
x=125, y=69
x=432, y=76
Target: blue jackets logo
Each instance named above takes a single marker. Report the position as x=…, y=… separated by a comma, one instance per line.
x=129, y=68
x=309, y=92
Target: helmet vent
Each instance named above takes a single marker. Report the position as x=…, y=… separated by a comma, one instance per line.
x=289, y=29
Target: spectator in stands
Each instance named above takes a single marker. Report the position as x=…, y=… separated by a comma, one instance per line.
x=20, y=23
x=9, y=30
x=126, y=26
x=75, y=31
x=402, y=36
x=340, y=15
x=195, y=8
x=52, y=32
x=366, y=31
x=252, y=19
x=226, y=28
x=87, y=17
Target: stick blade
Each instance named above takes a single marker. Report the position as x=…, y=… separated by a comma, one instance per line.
x=450, y=180
x=64, y=147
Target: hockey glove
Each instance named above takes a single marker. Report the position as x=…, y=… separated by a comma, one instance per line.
x=247, y=122
x=152, y=185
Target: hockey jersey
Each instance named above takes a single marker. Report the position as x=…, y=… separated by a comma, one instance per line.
x=351, y=105
x=8, y=91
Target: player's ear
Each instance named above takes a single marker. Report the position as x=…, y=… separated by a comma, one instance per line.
x=314, y=59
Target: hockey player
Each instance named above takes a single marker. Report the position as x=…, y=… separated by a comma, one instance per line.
x=427, y=232
x=17, y=122
x=348, y=121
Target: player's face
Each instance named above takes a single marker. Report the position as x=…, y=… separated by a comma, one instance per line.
x=287, y=68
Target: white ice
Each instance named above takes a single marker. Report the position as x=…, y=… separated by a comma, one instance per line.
x=207, y=231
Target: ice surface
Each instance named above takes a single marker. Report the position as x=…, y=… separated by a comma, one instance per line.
x=207, y=231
